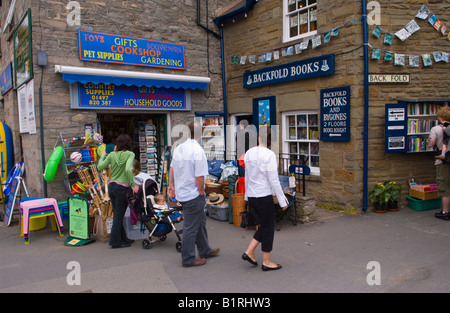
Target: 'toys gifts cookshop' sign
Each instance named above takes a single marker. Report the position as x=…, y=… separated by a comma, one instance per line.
x=320, y=66
x=101, y=47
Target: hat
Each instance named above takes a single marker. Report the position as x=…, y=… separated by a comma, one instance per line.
x=215, y=198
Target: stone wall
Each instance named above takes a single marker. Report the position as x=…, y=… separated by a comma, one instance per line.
x=171, y=21
x=341, y=164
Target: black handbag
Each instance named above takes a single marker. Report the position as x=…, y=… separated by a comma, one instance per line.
x=249, y=218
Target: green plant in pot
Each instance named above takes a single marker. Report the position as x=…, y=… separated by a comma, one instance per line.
x=379, y=198
x=393, y=193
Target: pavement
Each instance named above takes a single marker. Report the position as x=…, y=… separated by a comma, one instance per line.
x=405, y=251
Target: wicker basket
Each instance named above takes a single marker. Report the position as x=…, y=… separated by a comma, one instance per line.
x=225, y=186
x=238, y=204
x=213, y=187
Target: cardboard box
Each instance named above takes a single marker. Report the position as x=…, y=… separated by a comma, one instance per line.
x=423, y=195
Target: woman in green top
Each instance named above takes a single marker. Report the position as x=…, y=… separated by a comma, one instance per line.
x=121, y=161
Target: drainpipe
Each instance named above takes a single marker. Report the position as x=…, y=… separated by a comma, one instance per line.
x=366, y=103
x=224, y=90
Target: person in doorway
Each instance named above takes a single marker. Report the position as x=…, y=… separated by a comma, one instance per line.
x=446, y=130
x=121, y=161
x=436, y=139
x=187, y=183
x=261, y=182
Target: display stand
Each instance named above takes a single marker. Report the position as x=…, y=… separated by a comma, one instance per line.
x=79, y=234
x=15, y=188
x=72, y=142
x=148, y=150
x=213, y=134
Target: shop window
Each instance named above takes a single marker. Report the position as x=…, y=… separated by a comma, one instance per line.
x=299, y=19
x=301, y=137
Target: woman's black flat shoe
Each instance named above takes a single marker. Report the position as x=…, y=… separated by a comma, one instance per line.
x=267, y=268
x=247, y=258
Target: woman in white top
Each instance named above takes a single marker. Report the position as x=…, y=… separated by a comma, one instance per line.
x=261, y=182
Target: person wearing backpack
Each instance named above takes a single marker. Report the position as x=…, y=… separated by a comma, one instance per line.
x=436, y=139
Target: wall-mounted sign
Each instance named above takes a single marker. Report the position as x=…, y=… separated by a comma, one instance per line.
x=101, y=47
x=6, y=82
x=320, y=66
x=23, y=57
x=395, y=128
x=335, y=114
x=102, y=96
x=389, y=78
x=264, y=111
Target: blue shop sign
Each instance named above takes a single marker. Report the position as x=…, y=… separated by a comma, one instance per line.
x=314, y=67
x=335, y=114
x=102, y=96
x=6, y=80
x=101, y=47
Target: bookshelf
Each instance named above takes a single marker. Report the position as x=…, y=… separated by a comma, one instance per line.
x=408, y=125
x=421, y=117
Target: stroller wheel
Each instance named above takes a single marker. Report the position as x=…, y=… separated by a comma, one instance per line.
x=146, y=244
x=178, y=246
x=162, y=238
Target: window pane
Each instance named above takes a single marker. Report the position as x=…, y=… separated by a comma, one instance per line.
x=293, y=25
x=302, y=133
x=311, y=2
x=304, y=148
x=312, y=19
x=291, y=5
x=313, y=120
x=292, y=134
x=293, y=147
x=301, y=120
x=301, y=4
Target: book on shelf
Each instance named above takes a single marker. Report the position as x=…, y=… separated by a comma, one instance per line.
x=423, y=108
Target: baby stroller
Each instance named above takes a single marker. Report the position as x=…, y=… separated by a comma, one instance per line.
x=158, y=223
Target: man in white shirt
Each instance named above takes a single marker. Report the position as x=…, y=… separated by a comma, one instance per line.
x=187, y=184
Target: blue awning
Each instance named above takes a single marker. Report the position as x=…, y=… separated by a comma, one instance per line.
x=128, y=78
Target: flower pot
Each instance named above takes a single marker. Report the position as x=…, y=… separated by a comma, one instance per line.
x=392, y=206
x=380, y=208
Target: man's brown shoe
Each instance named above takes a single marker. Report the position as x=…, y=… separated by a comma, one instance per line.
x=211, y=253
x=197, y=262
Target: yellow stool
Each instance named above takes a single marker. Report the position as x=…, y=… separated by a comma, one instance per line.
x=52, y=219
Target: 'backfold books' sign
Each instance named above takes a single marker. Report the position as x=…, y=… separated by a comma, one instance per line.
x=335, y=114
x=320, y=66
x=101, y=47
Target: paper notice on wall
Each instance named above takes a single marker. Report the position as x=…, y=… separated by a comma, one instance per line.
x=31, y=117
x=22, y=103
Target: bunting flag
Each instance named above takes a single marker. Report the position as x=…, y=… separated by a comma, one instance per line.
x=403, y=34
x=316, y=42
x=412, y=27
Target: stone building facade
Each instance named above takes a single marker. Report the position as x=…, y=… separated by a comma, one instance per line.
x=272, y=26
x=54, y=30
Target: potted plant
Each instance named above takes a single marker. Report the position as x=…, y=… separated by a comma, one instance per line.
x=393, y=193
x=378, y=197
